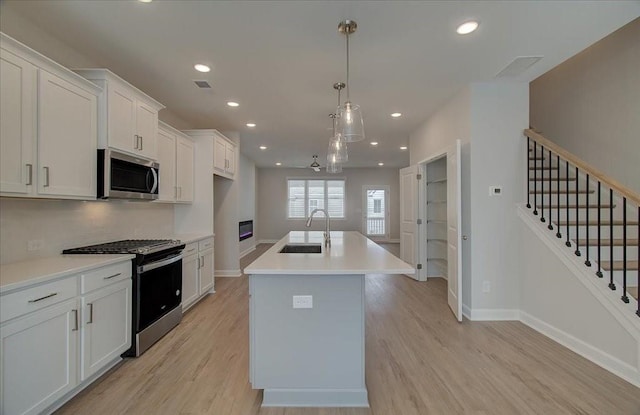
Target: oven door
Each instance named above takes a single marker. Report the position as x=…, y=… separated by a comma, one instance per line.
x=159, y=289
x=126, y=177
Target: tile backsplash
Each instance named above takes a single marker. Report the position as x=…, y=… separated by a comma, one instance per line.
x=59, y=224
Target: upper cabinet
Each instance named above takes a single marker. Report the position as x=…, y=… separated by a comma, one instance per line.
x=128, y=118
x=176, y=159
x=224, y=156
x=48, y=127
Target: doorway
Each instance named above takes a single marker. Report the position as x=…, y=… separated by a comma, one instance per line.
x=375, y=202
x=435, y=235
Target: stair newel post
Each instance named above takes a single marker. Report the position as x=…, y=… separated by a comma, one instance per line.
x=566, y=165
x=535, y=177
x=558, y=234
x=541, y=183
x=624, y=251
x=528, y=174
x=599, y=272
x=587, y=262
x=611, y=284
x=577, y=251
x=550, y=227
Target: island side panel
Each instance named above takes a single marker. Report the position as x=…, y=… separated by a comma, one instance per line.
x=318, y=348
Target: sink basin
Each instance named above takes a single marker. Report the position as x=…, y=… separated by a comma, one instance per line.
x=301, y=249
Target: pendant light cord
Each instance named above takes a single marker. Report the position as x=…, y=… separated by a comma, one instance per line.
x=347, y=34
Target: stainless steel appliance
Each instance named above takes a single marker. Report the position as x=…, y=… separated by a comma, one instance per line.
x=157, y=286
x=123, y=176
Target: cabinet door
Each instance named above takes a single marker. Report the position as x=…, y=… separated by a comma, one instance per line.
x=122, y=119
x=167, y=160
x=39, y=359
x=67, y=138
x=219, y=155
x=189, y=280
x=17, y=123
x=106, y=326
x=231, y=159
x=206, y=271
x=147, y=129
x=184, y=169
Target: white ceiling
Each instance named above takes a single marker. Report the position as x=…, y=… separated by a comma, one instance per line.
x=280, y=59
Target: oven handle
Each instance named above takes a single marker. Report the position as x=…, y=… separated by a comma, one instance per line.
x=154, y=265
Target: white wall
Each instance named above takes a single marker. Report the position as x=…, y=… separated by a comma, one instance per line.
x=590, y=105
x=64, y=224
x=247, y=199
x=272, y=200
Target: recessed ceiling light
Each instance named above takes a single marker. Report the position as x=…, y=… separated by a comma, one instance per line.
x=145, y=1
x=403, y=147
x=374, y=143
x=396, y=114
x=200, y=67
x=263, y=147
x=278, y=164
x=381, y=164
x=233, y=104
x=467, y=27
x=251, y=125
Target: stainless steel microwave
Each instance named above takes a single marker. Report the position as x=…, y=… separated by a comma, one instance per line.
x=121, y=176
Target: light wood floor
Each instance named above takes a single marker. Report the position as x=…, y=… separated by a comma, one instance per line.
x=419, y=360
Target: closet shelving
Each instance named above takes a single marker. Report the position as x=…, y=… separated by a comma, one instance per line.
x=436, y=194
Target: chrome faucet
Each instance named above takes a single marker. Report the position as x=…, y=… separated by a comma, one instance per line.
x=327, y=231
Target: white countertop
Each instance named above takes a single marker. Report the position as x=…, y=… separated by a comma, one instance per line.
x=350, y=253
x=187, y=238
x=21, y=274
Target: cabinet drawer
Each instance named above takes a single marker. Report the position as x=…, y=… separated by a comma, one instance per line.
x=101, y=277
x=190, y=249
x=32, y=299
x=205, y=244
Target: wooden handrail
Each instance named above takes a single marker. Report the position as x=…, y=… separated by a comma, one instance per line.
x=582, y=165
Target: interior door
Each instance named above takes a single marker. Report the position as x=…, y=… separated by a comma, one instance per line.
x=409, y=216
x=454, y=231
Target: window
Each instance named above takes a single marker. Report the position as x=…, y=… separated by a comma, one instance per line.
x=377, y=205
x=307, y=195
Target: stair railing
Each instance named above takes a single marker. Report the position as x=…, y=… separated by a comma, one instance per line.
x=537, y=148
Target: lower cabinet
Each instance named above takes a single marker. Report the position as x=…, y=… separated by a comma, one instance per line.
x=197, y=271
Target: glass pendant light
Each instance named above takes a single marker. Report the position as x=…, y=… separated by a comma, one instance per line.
x=333, y=166
x=349, y=116
x=337, y=151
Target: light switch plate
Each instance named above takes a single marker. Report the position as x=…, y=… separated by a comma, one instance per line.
x=302, y=301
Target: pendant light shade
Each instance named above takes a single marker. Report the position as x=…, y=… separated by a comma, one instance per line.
x=349, y=117
x=337, y=150
x=333, y=166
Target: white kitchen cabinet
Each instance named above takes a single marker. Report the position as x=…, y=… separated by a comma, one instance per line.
x=39, y=358
x=176, y=158
x=197, y=272
x=48, y=122
x=224, y=156
x=127, y=117
x=206, y=272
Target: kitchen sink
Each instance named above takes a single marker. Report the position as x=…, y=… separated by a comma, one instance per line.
x=301, y=249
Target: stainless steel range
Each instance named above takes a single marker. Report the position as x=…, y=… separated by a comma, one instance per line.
x=157, y=286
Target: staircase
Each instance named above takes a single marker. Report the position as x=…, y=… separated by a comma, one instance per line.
x=597, y=217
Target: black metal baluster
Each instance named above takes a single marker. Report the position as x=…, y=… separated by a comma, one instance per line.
x=558, y=234
x=535, y=178
x=566, y=165
x=587, y=262
x=550, y=227
x=528, y=173
x=611, y=284
x=542, y=184
x=599, y=272
x=624, y=251
x=577, y=251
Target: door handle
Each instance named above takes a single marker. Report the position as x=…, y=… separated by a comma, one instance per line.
x=46, y=177
x=465, y=237
x=90, y=313
x=29, y=174
x=75, y=320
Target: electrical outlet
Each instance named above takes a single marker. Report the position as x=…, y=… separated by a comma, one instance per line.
x=35, y=244
x=302, y=301
x=486, y=286
x=495, y=190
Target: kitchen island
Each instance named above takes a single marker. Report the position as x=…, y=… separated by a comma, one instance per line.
x=307, y=318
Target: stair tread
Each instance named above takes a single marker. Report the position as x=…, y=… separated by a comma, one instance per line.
x=607, y=242
x=595, y=223
x=633, y=291
x=618, y=265
x=562, y=192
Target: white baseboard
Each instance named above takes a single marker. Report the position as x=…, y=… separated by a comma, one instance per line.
x=267, y=241
x=247, y=251
x=597, y=356
x=228, y=273
x=490, y=314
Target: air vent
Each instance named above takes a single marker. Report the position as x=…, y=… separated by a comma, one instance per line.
x=202, y=84
x=518, y=66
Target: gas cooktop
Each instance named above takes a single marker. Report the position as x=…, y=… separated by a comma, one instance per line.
x=127, y=246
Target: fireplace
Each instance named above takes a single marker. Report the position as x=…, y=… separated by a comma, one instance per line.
x=246, y=229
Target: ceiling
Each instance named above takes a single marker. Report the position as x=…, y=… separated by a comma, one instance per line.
x=279, y=59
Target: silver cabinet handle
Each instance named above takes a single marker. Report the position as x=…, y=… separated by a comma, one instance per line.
x=112, y=276
x=43, y=298
x=141, y=142
x=136, y=136
x=46, y=177
x=75, y=320
x=191, y=250
x=29, y=174
x=90, y=305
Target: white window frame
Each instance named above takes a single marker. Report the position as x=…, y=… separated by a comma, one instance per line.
x=326, y=196
x=387, y=216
